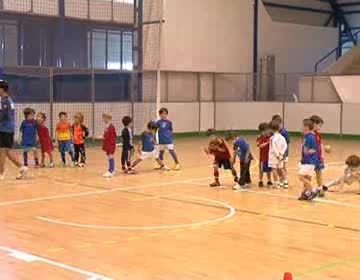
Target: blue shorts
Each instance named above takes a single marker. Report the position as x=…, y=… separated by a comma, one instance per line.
x=265, y=167
x=320, y=166
x=66, y=146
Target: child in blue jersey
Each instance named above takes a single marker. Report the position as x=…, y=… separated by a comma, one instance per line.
x=166, y=139
x=242, y=150
x=7, y=129
x=283, y=131
x=309, y=161
x=147, y=148
x=28, y=135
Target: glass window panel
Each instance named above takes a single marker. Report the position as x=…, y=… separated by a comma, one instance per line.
x=114, y=50
x=11, y=45
x=99, y=49
x=127, y=50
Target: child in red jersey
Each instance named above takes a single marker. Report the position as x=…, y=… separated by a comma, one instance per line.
x=222, y=158
x=263, y=143
x=46, y=144
x=109, y=143
x=318, y=123
x=80, y=132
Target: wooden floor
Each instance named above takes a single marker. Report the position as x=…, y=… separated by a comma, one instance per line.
x=68, y=223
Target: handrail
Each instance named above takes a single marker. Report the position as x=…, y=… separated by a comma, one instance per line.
x=331, y=52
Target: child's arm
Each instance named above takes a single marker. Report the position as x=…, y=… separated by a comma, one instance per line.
x=86, y=132
x=139, y=148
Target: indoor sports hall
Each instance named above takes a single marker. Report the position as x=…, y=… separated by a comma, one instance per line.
x=208, y=89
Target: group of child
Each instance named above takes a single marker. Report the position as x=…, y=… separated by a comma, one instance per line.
x=273, y=144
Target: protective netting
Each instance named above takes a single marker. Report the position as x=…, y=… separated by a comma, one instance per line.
x=41, y=7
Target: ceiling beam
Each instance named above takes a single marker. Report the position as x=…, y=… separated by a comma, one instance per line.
x=296, y=8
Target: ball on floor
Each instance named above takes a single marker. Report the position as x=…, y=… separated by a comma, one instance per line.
x=327, y=149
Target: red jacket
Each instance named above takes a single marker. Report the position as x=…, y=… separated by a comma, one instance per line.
x=109, y=142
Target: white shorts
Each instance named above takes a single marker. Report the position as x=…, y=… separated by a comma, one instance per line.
x=276, y=164
x=163, y=147
x=306, y=169
x=153, y=155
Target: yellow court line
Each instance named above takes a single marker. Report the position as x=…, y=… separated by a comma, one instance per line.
x=55, y=250
x=155, y=197
x=86, y=245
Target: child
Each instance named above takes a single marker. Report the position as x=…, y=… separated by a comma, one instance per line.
x=283, y=131
x=309, y=161
x=166, y=139
x=7, y=129
x=147, y=148
x=351, y=175
x=218, y=148
x=80, y=133
x=127, y=144
x=263, y=143
x=277, y=155
x=28, y=134
x=109, y=144
x=242, y=150
x=63, y=136
x=44, y=140
x=318, y=123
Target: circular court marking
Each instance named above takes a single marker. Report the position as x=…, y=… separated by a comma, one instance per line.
x=203, y=223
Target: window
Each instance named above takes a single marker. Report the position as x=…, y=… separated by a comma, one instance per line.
x=110, y=49
x=8, y=44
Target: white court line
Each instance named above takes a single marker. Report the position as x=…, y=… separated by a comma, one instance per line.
x=54, y=197
x=33, y=258
x=212, y=221
x=160, y=196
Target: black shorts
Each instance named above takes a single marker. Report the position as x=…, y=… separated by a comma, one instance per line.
x=226, y=164
x=6, y=140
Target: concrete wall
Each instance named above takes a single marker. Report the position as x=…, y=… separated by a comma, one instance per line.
x=296, y=47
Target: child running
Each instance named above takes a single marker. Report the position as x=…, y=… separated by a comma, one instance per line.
x=63, y=137
x=109, y=144
x=242, y=150
x=263, y=143
x=309, y=161
x=80, y=133
x=351, y=175
x=28, y=135
x=283, y=131
x=222, y=158
x=7, y=129
x=166, y=138
x=127, y=144
x=46, y=145
x=277, y=155
x=147, y=148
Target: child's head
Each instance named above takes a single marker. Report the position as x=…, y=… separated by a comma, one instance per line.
x=29, y=113
x=264, y=129
x=318, y=122
x=215, y=142
x=126, y=121
x=275, y=126
x=210, y=132
x=353, y=161
x=4, y=88
x=152, y=127
x=79, y=118
x=308, y=125
x=163, y=113
x=63, y=117
x=230, y=136
x=279, y=119
x=107, y=118
x=41, y=117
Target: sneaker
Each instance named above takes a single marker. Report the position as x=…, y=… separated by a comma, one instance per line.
x=81, y=165
x=314, y=194
x=131, y=170
x=286, y=186
x=73, y=164
x=177, y=167
x=236, y=187
x=22, y=172
x=325, y=188
x=42, y=165
x=165, y=168
x=215, y=184
x=321, y=193
x=109, y=174
x=76, y=164
x=261, y=184
x=270, y=184
x=303, y=196
x=52, y=165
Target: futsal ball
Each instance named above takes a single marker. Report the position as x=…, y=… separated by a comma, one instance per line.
x=327, y=149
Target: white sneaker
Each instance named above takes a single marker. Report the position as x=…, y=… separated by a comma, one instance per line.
x=22, y=172
x=109, y=174
x=165, y=168
x=236, y=187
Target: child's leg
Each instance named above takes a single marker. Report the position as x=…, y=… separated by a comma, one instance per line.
x=276, y=176
x=160, y=162
x=161, y=152
x=25, y=157
x=174, y=156
x=83, y=153
x=63, y=157
x=268, y=174
x=76, y=152
x=261, y=172
x=11, y=156
x=71, y=154
x=51, y=157
x=216, y=173
x=242, y=179
x=128, y=161
x=247, y=173
x=2, y=161
x=124, y=158
x=319, y=177
x=111, y=163
x=42, y=158
x=36, y=157
x=234, y=173
x=306, y=180
x=136, y=162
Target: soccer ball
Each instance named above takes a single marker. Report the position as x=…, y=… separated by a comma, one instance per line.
x=327, y=149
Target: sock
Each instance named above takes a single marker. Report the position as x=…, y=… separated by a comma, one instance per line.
x=174, y=156
x=63, y=158
x=111, y=165
x=161, y=155
x=25, y=155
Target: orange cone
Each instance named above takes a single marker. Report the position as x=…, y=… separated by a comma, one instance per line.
x=288, y=276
